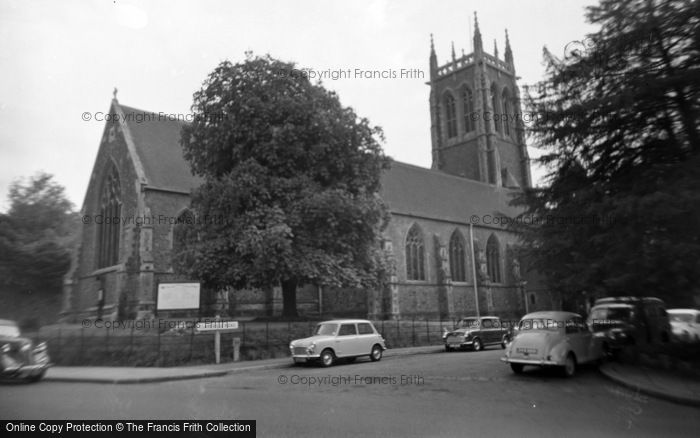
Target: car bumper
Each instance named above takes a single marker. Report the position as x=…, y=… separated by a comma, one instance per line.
x=306, y=357
x=462, y=344
x=24, y=371
x=537, y=362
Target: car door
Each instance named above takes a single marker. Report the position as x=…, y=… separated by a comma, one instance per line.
x=486, y=331
x=347, y=340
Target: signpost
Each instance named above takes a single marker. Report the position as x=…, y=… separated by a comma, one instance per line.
x=217, y=326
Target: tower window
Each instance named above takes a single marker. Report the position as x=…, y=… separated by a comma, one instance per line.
x=468, y=102
x=496, y=108
x=415, y=254
x=493, y=259
x=110, y=210
x=505, y=104
x=450, y=116
x=457, y=258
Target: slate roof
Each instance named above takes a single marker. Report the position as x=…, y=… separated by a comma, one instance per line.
x=157, y=141
x=407, y=189
x=421, y=192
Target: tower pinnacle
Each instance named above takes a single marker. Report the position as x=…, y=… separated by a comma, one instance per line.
x=478, y=44
x=509, y=52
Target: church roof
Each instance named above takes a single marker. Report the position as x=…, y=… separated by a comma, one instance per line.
x=421, y=192
x=156, y=139
x=407, y=189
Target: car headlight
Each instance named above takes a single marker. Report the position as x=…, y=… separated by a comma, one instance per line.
x=291, y=346
x=310, y=349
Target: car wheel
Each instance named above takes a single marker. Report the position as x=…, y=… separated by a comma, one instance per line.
x=517, y=368
x=569, y=368
x=376, y=353
x=477, y=346
x=327, y=358
x=448, y=348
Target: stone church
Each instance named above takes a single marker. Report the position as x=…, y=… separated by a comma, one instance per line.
x=446, y=244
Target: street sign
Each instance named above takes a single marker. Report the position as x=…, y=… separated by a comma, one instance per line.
x=217, y=327
x=214, y=325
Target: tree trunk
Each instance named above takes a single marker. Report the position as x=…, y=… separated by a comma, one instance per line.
x=289, y=298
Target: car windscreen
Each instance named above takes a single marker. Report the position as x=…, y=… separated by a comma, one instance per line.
x=326, y=329
x=468, y=323
x=9, y=331
x=612, y=314
x=681, y=317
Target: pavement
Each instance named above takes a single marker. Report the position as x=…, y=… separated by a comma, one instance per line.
x=155, y=374
x=655, y=383
x=643, y=380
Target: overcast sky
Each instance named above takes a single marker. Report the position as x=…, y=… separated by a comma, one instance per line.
x=63, y=58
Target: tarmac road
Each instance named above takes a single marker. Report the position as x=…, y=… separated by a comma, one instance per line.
x=441, y=394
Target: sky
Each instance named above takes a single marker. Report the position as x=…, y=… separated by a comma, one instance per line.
x=63, y=59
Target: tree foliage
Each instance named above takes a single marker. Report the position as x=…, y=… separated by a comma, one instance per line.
x=619, y=125
x=36, y=234
x=291, y=183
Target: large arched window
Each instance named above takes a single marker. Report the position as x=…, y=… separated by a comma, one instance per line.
x=496, y=108
x=415, y=254
x=110, y=213
x=450, y=115
x=507, y=111
x=468, y=108
x=184, y=235
x=457, y=257
x=493, y=259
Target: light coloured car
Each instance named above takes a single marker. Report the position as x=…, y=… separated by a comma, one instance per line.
x=339, y=339
x=476, y=333
x=20, y=357
x=685, y=324
x=552, y=339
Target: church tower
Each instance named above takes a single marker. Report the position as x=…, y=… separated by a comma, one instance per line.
x=477, y=127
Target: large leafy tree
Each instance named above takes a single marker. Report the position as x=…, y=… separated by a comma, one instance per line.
x=619, y=125
x=36, y=234
x=291, y=183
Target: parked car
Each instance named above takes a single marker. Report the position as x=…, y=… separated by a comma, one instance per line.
x=341, y=338
x=685, y=324
x=477, y=333
x=628, y=321
x=552, y=339
x=19, y=357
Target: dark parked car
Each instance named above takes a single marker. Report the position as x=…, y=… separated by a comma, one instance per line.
x=19, y=357
x=477, y=333
x=627, y=321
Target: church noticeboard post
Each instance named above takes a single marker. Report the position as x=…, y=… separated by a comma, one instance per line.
x=178, y=296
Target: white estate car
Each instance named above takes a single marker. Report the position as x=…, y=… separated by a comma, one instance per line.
x=560, y=339
x=339, y=338
x=685, y=324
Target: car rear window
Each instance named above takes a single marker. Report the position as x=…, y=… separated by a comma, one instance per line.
x=681, y=317
x=365, y=328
